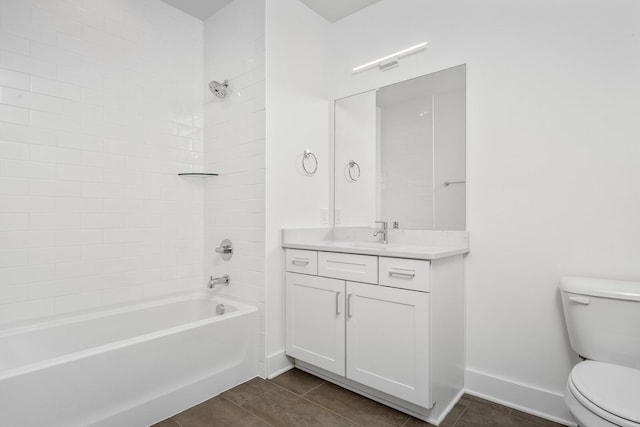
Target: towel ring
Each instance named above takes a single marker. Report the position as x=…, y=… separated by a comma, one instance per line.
x=308, y=154
x=353, y=165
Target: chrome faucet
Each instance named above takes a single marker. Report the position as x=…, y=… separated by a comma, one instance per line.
x=216, y=281
x=385, y=227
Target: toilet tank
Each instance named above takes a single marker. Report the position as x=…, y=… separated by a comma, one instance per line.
x=603, y=319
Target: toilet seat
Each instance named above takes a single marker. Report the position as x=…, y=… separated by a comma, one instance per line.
x=612, y=392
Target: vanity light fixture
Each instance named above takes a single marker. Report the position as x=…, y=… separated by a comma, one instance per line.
x=394, y=57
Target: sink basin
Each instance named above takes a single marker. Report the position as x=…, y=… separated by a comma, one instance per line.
x=371, y=245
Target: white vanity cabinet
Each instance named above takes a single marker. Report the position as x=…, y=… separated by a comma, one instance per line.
x=388, y=341
x=315, y=319
x=374, y=335
x=390, y=328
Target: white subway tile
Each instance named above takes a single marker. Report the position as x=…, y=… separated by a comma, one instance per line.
x=26, y=204
x=55, y=121
x=99, y=221
x=56, y=88
x=50, y=5
x=18, y=133
x=55, y=222
x=14, y=258
x=24, y=99
x=74, y=205
x=79, y=173
x=55, y=55
x=25, y=169
x=78, y=269
x=39, y=153
x=16, y=115
x=79, y=142
x=24, y=239
x=14, y=43
x=54, y=255
x=59, y=23
x=13, y=151
x=26, y=274
x=75, y=302
x=122, y=294
x=26, y=310
x=79, y=77
x=77, y=237
x=100, y=190
x=90, y=158
x=54, y=288
x=107, y=164
x=14, y=186
x=54, y=188
x=112, y=10
x=12, y=294
x=14, y=79
x=27, y=64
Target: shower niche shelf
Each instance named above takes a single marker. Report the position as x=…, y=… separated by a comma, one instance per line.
x=198, y=174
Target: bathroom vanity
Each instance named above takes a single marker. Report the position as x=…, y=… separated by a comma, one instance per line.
x=384, y=320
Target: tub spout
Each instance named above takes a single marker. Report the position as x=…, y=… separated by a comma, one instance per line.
x=216, y=281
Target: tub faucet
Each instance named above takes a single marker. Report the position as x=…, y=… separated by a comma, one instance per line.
x=385, y=227
x=216, y=281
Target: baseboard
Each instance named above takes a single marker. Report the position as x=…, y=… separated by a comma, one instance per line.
x=278, y=363
x=535, y=401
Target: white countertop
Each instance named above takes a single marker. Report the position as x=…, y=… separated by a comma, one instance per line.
x=380, y=249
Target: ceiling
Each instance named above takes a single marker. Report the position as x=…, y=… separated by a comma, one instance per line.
x=334, y=10
x=331, y=10
x=201, y=9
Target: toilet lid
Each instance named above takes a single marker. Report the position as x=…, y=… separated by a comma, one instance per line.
x=613, y=388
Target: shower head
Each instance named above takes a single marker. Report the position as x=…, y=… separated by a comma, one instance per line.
x=219, y=89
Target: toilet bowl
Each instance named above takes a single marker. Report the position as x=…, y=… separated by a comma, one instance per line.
x=602, y=318
x=604, y=395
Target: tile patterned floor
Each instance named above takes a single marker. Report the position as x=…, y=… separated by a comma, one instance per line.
x=296, y=398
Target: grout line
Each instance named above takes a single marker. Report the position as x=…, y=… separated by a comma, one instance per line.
x=459, y=416
x=309, y=391
x=405, y=421
x=249, y=412
x=318, y=405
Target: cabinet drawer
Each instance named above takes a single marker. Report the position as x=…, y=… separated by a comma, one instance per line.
x=357, y=268
x=404, y=273
x=299, y=261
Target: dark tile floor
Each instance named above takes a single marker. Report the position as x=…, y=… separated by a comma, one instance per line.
x=296, y=398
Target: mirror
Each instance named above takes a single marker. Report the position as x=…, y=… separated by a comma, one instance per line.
x=400, y=154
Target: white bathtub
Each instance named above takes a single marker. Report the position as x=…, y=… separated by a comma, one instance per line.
x=132, y=365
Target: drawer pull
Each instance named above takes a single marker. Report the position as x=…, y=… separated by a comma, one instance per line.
x=300, y=261
x=405, y=274
x=337, y=303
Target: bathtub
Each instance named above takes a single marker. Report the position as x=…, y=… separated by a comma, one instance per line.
x=130, y=365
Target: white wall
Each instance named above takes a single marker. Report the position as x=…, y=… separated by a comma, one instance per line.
x=100, y=109
x=234, y=145
x=552, y=144
x=297, y=119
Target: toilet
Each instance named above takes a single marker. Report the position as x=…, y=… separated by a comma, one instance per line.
x=603, y=323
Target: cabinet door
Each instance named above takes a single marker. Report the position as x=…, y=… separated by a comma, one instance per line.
x=315, y=321
x=388, y=341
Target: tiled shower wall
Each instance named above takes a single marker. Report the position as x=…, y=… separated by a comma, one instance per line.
x=100, y=108
x=234, y=49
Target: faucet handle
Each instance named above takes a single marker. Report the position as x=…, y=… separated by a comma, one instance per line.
x=385, y=224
